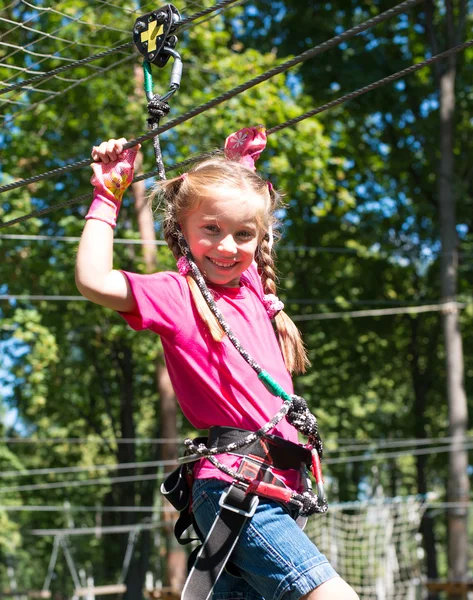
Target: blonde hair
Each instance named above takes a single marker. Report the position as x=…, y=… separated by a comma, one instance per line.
x=181, y=195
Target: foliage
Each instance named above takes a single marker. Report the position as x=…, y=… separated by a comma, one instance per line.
x=359, y=230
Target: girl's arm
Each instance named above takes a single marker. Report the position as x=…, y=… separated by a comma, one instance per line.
x=96, y=279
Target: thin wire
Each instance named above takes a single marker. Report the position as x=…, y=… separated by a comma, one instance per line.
x=100, y=55
x=343, y=443
x=94, y=509
x=82, y=483
x=454, y=447
x=48, y=35
x=377, y=445
x=96, y=73
x=48, y=9
x=159, y=463
x=63, y=470
x=62, y=238
x=445, y=307
x=84, y=440
x=95, y=530
x=76, y=63
x=154, y=509
x=390, y=455
x=360, y=253
x=335, y=41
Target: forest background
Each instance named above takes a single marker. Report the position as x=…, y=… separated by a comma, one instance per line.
x=362, y=229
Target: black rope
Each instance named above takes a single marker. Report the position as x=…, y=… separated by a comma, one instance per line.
x=157, y=109
x=275, y=129
x=83, y=61
x=231, y=93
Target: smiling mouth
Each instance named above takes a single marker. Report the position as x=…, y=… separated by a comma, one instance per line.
x=222, y=265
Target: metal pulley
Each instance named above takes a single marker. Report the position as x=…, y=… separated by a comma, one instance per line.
x=154, y=31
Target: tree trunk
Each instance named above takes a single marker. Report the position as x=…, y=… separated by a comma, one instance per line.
x=458, y=485
x=420, y=385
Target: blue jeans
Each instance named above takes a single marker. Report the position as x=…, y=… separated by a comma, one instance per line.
x=277, y=561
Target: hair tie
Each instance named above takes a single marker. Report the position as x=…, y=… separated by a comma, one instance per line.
x=183, y=176
x=183, y=266
x=272, y=305
x=246, y=145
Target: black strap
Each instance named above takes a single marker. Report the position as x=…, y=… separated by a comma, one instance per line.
x=236, y=508
x=281, y=453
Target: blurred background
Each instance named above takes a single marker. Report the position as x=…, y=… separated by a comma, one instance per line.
x=375, y=265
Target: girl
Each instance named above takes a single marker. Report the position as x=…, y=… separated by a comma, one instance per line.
x=218, y=220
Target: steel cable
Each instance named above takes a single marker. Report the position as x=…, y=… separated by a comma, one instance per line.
x=311, y=53
x=83, y=61
x=316, y=111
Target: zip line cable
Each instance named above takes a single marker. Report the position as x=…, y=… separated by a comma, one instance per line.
x=453, y=447
x=118, y=48
x=336, y=102
x=335, y=41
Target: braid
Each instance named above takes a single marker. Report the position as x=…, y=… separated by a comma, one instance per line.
x=289, y=337
x=170, y=236
x=265, y=263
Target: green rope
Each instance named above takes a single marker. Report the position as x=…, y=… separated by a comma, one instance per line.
x=273, y=386
x=148, y=78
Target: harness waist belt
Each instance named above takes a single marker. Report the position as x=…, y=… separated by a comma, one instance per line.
x=280, y=453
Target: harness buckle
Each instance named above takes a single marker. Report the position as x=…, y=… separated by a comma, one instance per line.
x=245, y=513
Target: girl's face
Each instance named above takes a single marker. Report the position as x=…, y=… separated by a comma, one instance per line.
x=223, y=234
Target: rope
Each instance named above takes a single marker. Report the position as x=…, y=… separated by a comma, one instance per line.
x=335, y=41
x=83, y=61
x=275, y=129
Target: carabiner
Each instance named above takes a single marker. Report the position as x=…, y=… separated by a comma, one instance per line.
x=175, y=80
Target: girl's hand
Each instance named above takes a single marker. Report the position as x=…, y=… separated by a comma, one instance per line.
x=110, y=151
x=113, y=173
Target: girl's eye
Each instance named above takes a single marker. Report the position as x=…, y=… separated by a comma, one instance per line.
x=246, y=234
x=211, y=228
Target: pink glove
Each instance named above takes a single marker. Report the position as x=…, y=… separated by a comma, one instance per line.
x=110, y=182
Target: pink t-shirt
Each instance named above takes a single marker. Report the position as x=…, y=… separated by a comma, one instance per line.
x=213, y=383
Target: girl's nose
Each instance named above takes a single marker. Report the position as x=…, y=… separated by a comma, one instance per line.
x=228, y=245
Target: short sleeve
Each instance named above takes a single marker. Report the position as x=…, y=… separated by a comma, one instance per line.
x=162, y=302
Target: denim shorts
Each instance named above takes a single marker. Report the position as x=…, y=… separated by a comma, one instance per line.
x=275, y=558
